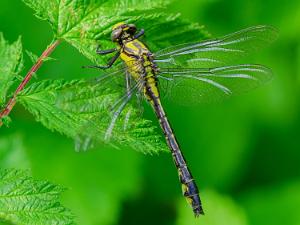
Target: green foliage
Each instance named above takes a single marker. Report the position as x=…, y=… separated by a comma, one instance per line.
x=73, y=17
x=33, y=57
x=11, y=63
x=82, y=23
x=26, y=201
x=85, y=24
x=61, y=105
x=164, y=30
x=82, y=110
x=107, y=177
x=6, y=120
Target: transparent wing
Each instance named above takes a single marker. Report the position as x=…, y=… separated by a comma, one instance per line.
x=108, y=112
x=217, y=52
x=192, y=86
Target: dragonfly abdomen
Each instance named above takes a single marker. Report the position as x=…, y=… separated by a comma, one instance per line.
x=189, y=186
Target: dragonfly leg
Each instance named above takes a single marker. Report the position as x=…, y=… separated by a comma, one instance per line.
x=139, y=34
x=109, y=64
x=139, y=99
x=128, y=83
x=115, y=117
x=128, y=91
x=123, y=101
x=104, y=52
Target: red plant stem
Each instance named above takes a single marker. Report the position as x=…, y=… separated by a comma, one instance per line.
x=11, y=103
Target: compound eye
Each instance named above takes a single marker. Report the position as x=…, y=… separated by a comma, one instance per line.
x=132, y=28
x=115, y=35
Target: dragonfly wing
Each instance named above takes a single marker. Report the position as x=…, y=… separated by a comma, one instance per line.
x=120, y=105
x=112, y=114
x=217, y=52
x=207, y=85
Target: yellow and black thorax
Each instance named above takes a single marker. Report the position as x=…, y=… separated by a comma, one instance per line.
x=138, y=59
x=139, y=63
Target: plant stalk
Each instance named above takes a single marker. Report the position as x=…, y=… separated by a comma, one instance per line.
x=12, y=101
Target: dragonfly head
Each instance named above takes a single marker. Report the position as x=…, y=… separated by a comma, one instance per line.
x=122, y=31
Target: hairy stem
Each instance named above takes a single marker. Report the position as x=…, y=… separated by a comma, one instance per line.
x=12, y=101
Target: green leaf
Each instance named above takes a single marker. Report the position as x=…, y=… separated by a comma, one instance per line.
x=107, y=178
x=163, y=30
x=68, y=17
x=81, y=110
x=26, y=201
x=33, y=57
x=218, y=210
x=86, y=24
x=81, y=23
x=11, y=63
x=6, y=120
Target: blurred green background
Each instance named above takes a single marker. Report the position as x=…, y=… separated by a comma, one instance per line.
x=244, y=152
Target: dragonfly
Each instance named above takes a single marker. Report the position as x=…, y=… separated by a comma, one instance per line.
x=188, y=73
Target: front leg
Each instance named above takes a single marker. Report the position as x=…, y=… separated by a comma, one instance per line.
x=105, y=52
x=109, y=64
x=139, y=34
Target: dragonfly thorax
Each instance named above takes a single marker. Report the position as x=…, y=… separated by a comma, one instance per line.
x=138, y=58
x=140, y=64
